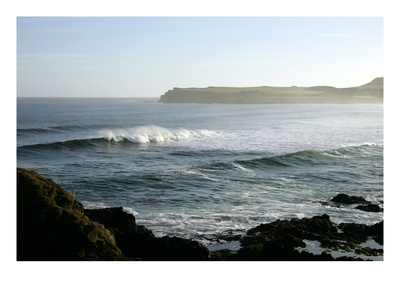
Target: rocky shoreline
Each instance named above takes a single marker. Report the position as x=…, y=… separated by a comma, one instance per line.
x=52, y=225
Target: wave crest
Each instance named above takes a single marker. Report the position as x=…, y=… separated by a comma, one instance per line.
x=153, y=134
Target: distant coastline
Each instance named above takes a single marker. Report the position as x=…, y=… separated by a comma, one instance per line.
x=371, y=92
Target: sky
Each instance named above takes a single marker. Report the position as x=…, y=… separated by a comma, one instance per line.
x=147, y=56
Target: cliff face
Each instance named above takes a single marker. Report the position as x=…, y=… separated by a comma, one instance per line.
x=369, y=93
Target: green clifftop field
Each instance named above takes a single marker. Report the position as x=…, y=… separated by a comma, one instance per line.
x=371, y=92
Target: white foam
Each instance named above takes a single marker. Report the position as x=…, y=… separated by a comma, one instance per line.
x=93, y=205
x=198, y=174
x=131, y=211
x=153, y=134
x=241, y=168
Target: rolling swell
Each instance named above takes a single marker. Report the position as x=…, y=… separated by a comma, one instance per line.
x=138, y=135
x=305, y=158
x=71, y=144
x=49, y=129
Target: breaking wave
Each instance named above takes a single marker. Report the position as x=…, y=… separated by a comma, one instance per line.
x=136, y=135
x=153, y=134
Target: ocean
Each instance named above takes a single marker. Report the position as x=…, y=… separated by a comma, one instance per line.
x=200, y=171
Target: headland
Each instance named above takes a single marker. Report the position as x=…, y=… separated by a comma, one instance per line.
x=371, y=92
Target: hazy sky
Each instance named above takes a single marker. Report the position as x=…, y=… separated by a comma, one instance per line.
x=146, y=56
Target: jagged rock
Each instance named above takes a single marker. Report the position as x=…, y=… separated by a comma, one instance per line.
x=360, y=232
x=116, y=220
x=139, y=242
x=309, y=228
x=282, y=239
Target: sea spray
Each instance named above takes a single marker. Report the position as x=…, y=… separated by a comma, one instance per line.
x=153, y=134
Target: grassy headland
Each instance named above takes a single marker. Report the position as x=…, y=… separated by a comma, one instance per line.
x=371, y=92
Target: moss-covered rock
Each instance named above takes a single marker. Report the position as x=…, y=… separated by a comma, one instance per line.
x=51, y=224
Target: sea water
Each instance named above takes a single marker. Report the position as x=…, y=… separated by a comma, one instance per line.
x=201, y=170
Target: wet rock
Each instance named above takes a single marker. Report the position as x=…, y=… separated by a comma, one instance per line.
x=280, y=249
x=147, y=247
x=223, y=255
x=306, y=228
x=282, y=240
x=360, y=232
x=346, y=199
x=139, y=242
x=370, y=208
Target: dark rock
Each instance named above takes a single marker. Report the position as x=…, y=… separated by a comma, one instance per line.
x=360, y=232
x=370, y=208
x=51, y=224
x=230, y=235
x=376, y=232
x=308, y=228
x=376, y=229
x=223, y=255
x=346, y=199
x=139, y=242
x=174, y=248
x=280, y=249
x=282, y=239
x=354, y=232
x=146, y=247
x=116, y=220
